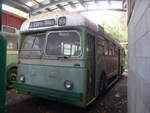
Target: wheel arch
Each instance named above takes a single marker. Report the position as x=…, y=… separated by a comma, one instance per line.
x=11, y=66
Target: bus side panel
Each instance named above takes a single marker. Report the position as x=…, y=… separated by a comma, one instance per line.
x=100, y=63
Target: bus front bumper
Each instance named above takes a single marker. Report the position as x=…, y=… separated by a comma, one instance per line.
x=52, y=94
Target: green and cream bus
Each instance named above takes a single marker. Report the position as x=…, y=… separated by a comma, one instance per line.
x=12, y=36
x=65, y=57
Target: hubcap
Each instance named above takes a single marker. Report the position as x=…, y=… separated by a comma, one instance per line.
x=12, y=77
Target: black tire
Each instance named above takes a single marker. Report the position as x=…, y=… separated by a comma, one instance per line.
x=103, y=84
x=11, y=77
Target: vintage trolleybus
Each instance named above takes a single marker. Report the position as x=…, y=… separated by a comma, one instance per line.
x=12, y=36
x=63, y=56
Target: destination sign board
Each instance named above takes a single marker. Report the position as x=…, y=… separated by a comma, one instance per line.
x=42, y=23
x=48, y=22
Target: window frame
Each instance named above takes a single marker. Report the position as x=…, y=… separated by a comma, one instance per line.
x=35, y=37
x=106, y=47
x=111, y=49
x=101, y=44
x=116, y=50
x=34, y=42
x=49, y=32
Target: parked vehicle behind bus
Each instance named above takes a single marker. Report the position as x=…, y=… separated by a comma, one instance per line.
x=63, y=56
x=12, y=36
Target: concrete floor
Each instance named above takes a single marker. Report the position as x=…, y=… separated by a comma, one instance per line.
x=115, y=101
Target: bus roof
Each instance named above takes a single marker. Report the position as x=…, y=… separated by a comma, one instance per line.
x=51, y=20
x=72, y=19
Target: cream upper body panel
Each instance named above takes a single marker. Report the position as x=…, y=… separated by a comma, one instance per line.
x=72, y=19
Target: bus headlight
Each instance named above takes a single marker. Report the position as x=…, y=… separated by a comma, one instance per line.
x=68, y=84
x=22, y=78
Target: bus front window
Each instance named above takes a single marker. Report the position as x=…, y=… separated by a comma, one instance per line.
x=33, y=45
x=64, y=43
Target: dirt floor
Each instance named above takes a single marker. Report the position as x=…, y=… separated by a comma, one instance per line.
x=115, y=101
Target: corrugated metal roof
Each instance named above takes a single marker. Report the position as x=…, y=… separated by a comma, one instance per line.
x=34, y=7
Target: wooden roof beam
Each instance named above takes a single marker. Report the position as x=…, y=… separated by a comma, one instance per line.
x=51, y=1
x=72, y=5
x=48, y=9
x=48, y=5
x=37, y=2
x=109, y=2
x=61, y=7
x=82, y=3
x=18, y=5
x=95, y=1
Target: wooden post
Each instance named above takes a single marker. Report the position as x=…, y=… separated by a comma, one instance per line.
x=2, y=66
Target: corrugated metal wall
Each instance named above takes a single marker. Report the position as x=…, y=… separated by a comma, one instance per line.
x=12, y=20
x=139, y=58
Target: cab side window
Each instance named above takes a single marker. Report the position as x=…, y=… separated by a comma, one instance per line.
x=111, y=49
x=100, y=46
x=116, y=50
x=106, y=47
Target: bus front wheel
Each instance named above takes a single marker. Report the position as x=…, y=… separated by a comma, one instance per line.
x=11, y=77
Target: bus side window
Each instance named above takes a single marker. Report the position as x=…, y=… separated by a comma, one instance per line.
x=116, y=51
x=123, y=52
x=105, y=47
x=110, y=49
x=100, y=45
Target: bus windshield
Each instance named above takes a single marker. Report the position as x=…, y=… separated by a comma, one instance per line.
x=63, y=43
x=33, y=45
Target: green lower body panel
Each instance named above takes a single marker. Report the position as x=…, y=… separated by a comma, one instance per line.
x=52, y=94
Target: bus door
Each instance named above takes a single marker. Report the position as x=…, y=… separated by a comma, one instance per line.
x=91, y=67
